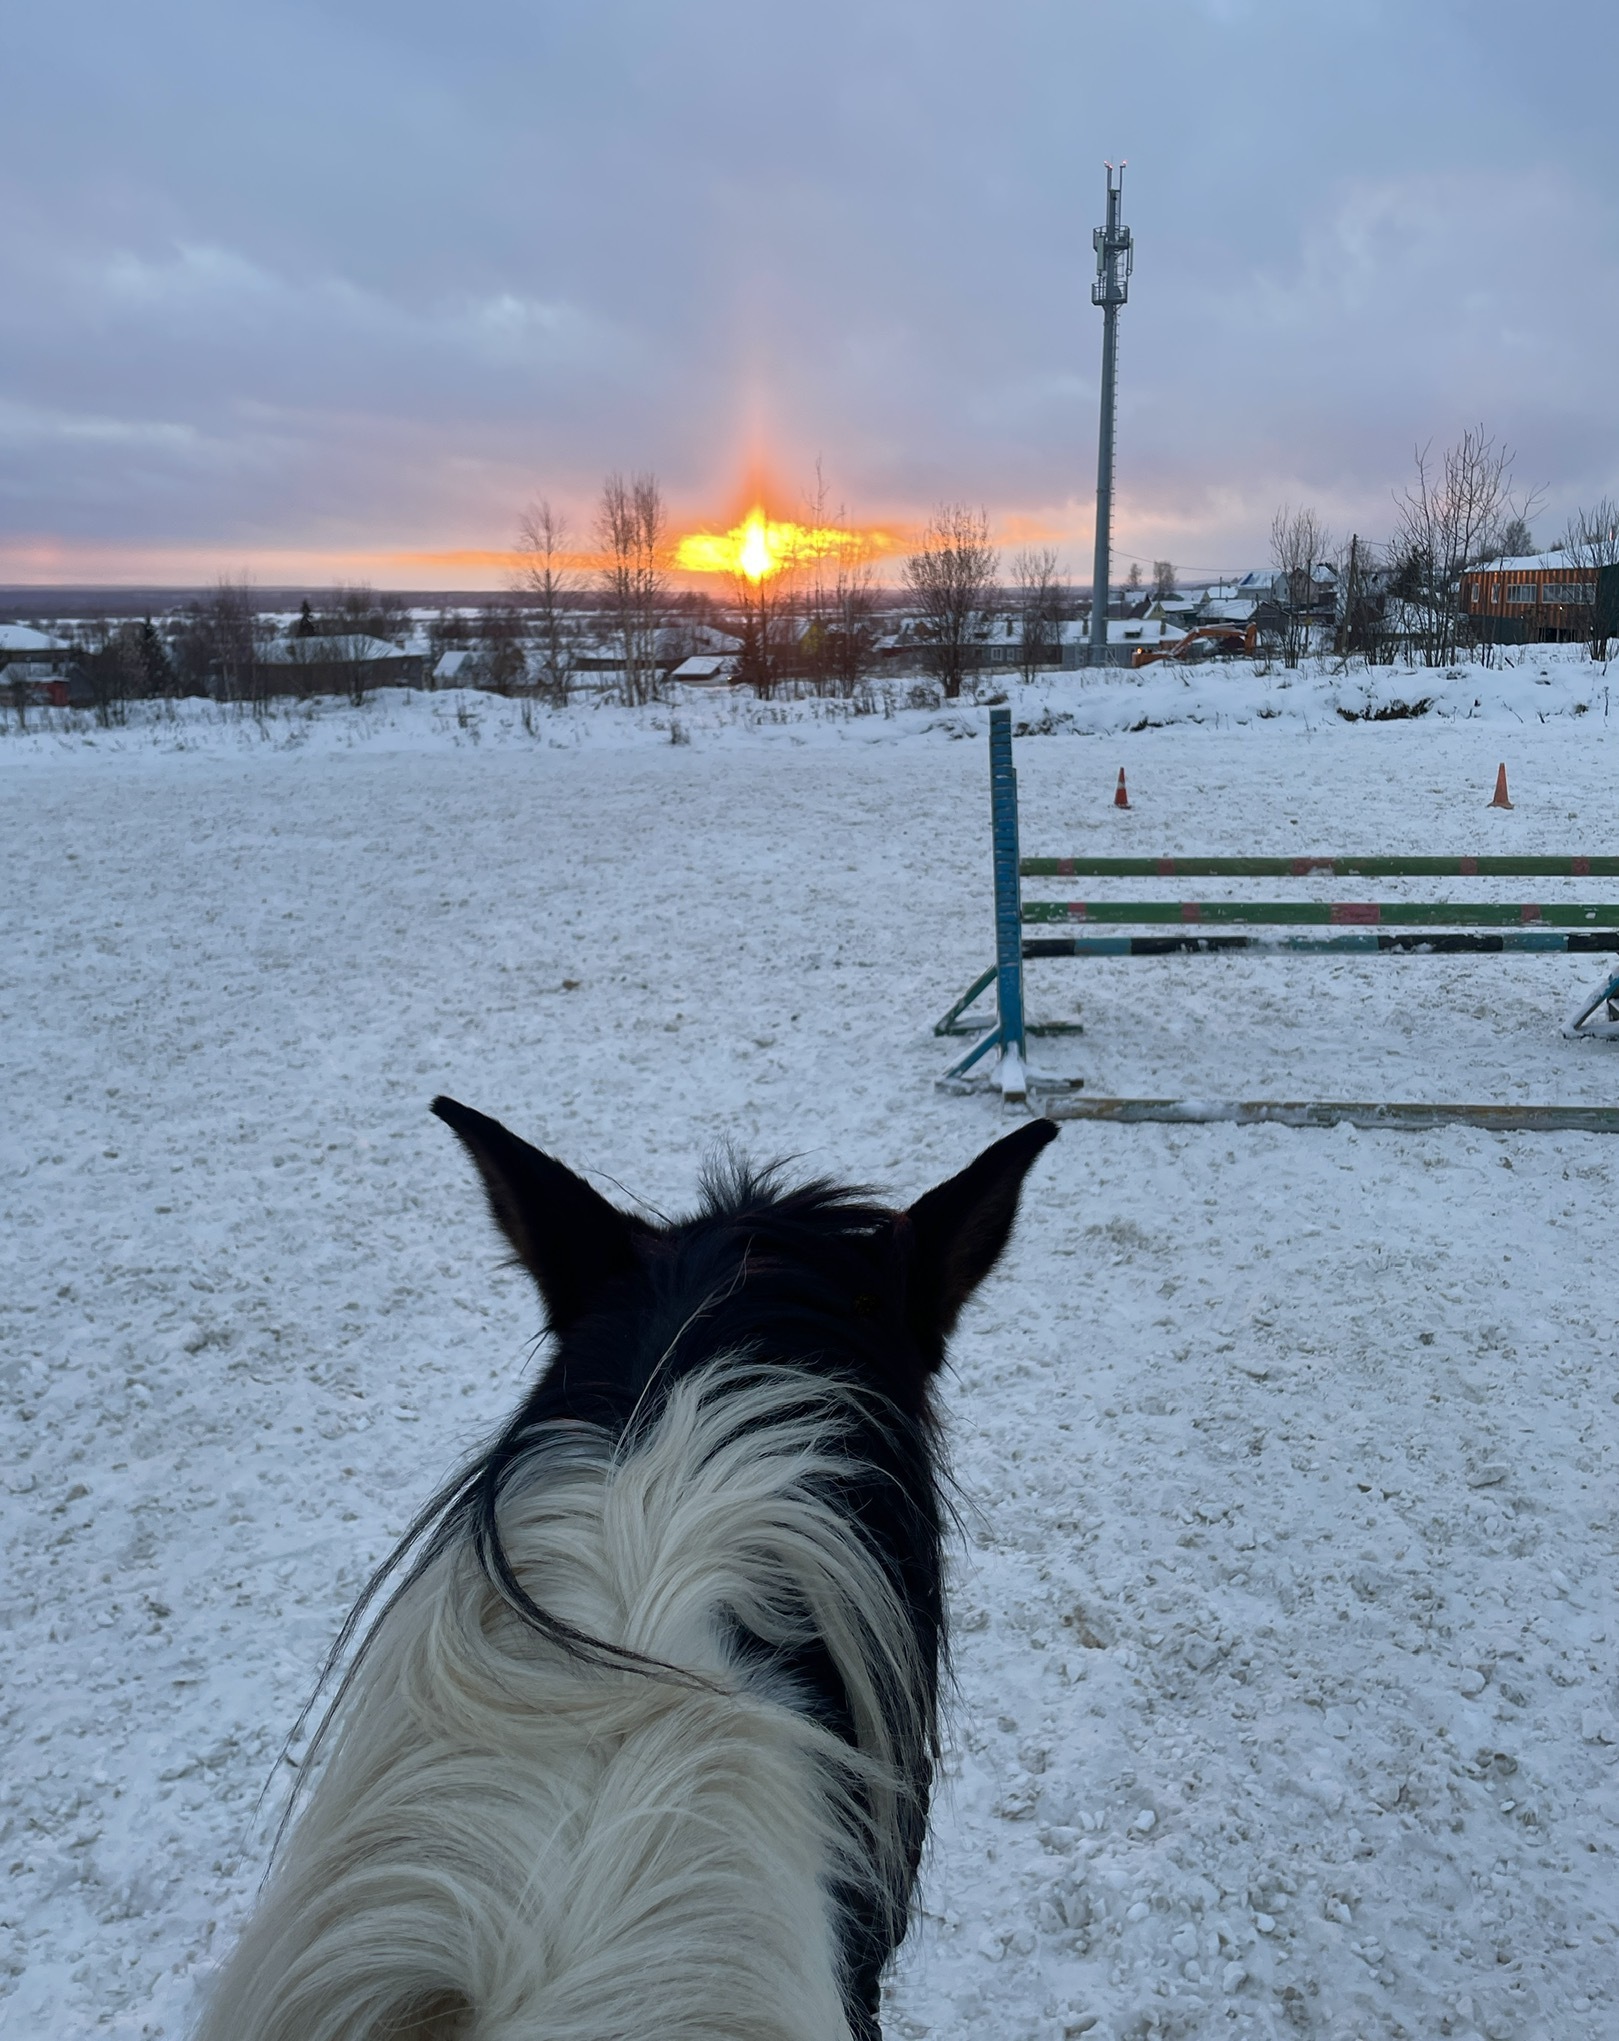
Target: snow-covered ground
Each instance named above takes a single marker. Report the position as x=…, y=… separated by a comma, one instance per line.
x=1286, y=1669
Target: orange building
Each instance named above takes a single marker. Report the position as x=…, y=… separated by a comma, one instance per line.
x=1542, y=598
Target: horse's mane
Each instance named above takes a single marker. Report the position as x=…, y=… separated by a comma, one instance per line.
x=765, y=1269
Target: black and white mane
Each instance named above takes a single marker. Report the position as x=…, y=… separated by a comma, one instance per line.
x=642, y=1738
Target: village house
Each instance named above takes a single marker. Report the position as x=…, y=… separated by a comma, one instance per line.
x=37, y=668
x=341, y=663
x=1540, y=598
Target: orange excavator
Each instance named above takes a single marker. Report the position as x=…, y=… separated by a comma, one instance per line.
x=1236, y=641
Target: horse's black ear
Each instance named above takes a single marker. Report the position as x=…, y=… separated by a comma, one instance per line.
x=569, y=1238
x=959, y=1229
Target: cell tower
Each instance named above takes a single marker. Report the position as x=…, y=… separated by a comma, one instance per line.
x=1115, y=256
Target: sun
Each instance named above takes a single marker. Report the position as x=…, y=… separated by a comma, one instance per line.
x=761, y=547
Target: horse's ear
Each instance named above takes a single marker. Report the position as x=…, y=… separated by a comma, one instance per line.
x=959, y=1229
x=569, y=1238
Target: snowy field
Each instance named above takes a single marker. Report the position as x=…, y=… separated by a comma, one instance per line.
x=1286, y=1674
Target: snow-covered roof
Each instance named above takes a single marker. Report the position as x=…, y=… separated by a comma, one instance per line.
x=1525, y=563
x=1261, y=582
x=1147, y=630
x=1142, y=630
x=450, y=664
x=705, y=669
x=704, y=638
x=346, y=646
x=21, y=638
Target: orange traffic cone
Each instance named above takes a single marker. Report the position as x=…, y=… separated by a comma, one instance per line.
x=1499, y=798
x=1120, y=798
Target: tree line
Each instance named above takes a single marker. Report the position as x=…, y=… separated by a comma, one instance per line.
x=1459, y=513
x=609, y=610
x=816, y=621
x=612, y=609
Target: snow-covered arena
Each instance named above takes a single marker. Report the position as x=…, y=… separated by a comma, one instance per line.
x=1286, y=1629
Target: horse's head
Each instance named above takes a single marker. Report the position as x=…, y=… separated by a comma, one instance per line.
x=671, y=1755
x=816, y=1274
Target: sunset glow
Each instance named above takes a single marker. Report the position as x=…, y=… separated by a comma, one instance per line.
x=761, y=546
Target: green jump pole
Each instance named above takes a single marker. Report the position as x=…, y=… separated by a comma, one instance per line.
x=1369, y=1114
x=1562, y=867
x=1332, y=913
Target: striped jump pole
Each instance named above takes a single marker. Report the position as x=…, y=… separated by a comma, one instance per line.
x=1426, y=942
x=1333, y=913
x=1561, y=867
x=1371, y=1114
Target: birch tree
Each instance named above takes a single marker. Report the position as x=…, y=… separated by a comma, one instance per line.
x=631, y=531
x=1297, y=541
x=951, y=580
x=546, y=577
x=1038, y=595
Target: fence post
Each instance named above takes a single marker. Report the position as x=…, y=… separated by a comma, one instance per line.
x=1008, y=907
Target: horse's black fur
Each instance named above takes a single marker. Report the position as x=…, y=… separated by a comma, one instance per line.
x=816, y=1276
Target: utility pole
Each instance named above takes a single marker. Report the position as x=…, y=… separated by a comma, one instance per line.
x=1115, y=256
x=1346, y=634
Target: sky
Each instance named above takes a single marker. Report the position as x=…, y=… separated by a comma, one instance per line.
x=332, y=292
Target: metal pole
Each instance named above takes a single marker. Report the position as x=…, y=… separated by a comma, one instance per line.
x=1008, y=905
x=1101, y=569
x=1114, y=260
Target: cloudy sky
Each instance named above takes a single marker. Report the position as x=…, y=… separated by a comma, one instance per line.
x=329, y=290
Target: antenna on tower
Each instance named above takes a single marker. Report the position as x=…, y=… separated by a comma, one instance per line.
x=1115, y=257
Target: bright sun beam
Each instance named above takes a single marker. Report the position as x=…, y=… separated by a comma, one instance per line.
x=761, y=546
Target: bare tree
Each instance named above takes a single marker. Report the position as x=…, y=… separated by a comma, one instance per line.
x=1516, y=540
x=1163, y=578
x=690, y=622
x=630, y=529
x=449, y=631
x=218, y=646
x=545, y=576
x=112, y=664
x=1451, y=518
x=852, y=626
x=352, y=615
x=951, y=579
x=357, y=610
x=815, y=591
x=1038, y=594
x=1298, y=541
x=766, y=608
x=837, y=599
x=123, y=663
x=502, y=652
x=1591, y=542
